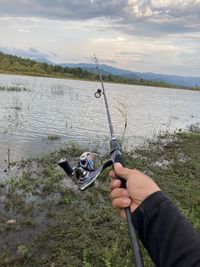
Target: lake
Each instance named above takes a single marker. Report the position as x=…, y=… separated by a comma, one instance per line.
x=52, y=112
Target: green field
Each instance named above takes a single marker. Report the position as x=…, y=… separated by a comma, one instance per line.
x=57, y=225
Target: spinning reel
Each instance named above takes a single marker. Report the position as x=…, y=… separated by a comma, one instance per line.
x=85, y=171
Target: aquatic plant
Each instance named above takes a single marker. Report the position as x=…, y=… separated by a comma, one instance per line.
x=57, y=225
x=52, y=138
x=13, y=88
x=57, y=90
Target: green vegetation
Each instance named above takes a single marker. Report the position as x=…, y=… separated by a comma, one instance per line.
x=16, y=65
x=58, y=225
x=13, y=88
x=196, y=88
x=52, y=138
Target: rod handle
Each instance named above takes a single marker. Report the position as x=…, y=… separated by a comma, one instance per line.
x=118, y=158
x=132, y=231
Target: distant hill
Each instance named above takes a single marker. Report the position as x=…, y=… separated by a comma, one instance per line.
x=42, y=67
x=173, y=79
x=105, y=69
x=25, y=66
x=148, y=76
x=43, y=60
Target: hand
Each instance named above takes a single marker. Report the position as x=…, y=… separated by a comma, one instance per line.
x=138, y=187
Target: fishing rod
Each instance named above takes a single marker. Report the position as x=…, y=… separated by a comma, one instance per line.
x=116, y=157
x=86, y=173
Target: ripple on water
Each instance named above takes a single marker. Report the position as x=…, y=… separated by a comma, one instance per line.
x=67, y=108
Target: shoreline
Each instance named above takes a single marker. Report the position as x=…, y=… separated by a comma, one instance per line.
x=40, y=75
x=46, y=221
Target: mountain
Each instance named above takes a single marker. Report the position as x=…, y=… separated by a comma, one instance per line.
x=105, y=69
x=172, y=79
x=86, y=66
x=179, y=81
x=43, y=60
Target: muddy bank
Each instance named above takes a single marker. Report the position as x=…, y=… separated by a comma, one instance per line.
x=46, y=221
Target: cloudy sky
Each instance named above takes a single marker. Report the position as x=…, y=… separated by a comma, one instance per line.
x=160, y=36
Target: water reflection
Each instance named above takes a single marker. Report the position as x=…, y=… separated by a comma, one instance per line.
x=69, y=110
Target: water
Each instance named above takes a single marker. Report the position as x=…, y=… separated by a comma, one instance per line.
x=68, y=110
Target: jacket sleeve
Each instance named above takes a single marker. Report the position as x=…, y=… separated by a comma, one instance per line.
x=166, y=234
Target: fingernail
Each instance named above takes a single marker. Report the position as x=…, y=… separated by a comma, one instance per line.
x=117, y=164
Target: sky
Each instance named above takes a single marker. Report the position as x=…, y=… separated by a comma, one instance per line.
x=161, y=36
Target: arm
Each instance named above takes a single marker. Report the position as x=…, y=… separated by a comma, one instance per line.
x=167, y=235
x=164, y=231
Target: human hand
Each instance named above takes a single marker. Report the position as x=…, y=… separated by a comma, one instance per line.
x=138, y=188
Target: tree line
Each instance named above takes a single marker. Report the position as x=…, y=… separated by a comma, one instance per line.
x=17, y=65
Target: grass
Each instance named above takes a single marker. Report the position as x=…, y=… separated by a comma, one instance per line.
x=61, y=226
x=52, y=138
x=13, y=89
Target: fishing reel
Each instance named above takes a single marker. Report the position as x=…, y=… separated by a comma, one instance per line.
x=85, y=171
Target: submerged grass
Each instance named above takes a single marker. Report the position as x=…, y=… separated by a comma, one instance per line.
x=58, y=225
x=52, y=138
x=13, y=88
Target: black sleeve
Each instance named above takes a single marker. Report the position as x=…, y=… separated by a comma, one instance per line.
x=166, y=234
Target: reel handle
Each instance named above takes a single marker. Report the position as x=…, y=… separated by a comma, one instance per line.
x=64, y=164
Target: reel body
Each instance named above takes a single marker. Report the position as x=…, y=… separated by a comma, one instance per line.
x=85, y=171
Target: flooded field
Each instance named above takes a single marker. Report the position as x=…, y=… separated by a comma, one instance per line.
x=38, y=115
x=45, y=220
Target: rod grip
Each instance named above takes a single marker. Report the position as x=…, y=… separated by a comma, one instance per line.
x=118, y=158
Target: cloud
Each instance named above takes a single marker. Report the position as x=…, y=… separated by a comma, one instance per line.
x=109, y=40
x=143, y=35
x=21, y=24
x=108, y=61
x=33, y=50
x=141, y=17
x=136, y=54
x=69, y=10
x=23, y=30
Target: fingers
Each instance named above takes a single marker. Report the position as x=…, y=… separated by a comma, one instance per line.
x=120, y=196
x=112, y=174
x=120, y=203
x=121, y=171
x=115, y=183
x=119, y=192
x=122, y=214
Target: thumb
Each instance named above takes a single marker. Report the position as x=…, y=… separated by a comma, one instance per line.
x=121, y=171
